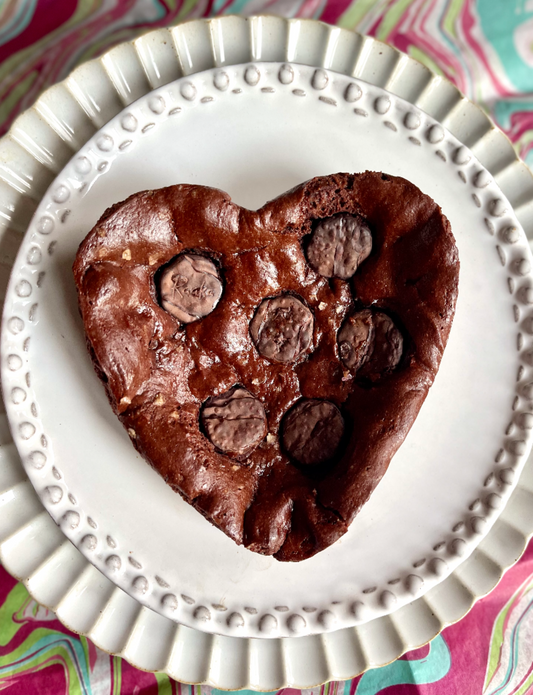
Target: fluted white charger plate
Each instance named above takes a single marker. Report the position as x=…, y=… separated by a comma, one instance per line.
x=406, y=136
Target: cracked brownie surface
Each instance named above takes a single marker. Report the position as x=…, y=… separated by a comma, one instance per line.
x=270, y=396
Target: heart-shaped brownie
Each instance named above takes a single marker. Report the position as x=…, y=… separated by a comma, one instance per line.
x=269, y=364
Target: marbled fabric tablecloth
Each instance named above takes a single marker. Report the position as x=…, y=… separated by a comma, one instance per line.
x=486, y=48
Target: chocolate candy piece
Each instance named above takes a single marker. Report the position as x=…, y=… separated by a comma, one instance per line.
x=370, y=344
x=312, y=431
x=339, y=245
x=234, y=421
x=190, y=287
x=282, y=328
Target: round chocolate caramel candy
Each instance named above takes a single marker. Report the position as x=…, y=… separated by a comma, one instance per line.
x=339, y=245
x=370, y=344
x=282, y=328
x=311, y=431
x=234, y=421
x=190, y=287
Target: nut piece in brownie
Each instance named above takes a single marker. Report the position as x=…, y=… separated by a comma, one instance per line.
x=268, y=364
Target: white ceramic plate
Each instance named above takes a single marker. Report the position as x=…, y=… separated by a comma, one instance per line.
x=256, y=131
x=508, y=266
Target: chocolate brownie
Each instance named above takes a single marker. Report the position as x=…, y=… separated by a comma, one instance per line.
x=268, y=364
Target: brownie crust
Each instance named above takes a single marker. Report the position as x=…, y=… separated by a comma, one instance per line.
x=159, y=372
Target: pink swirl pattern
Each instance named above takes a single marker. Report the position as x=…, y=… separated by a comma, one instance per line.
x=485, y=53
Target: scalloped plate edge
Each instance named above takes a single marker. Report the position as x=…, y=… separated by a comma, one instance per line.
x=45, y=142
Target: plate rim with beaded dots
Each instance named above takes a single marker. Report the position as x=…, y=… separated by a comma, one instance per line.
x=510, y=247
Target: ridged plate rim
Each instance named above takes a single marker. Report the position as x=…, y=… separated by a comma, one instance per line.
x=283, y=670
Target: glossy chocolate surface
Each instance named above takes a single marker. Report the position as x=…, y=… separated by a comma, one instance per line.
x=370, y=344
x=234, y=421
x=190, y=287
x=159, y=372
x=339, y=245
x=312, y=431
x=282, y=328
